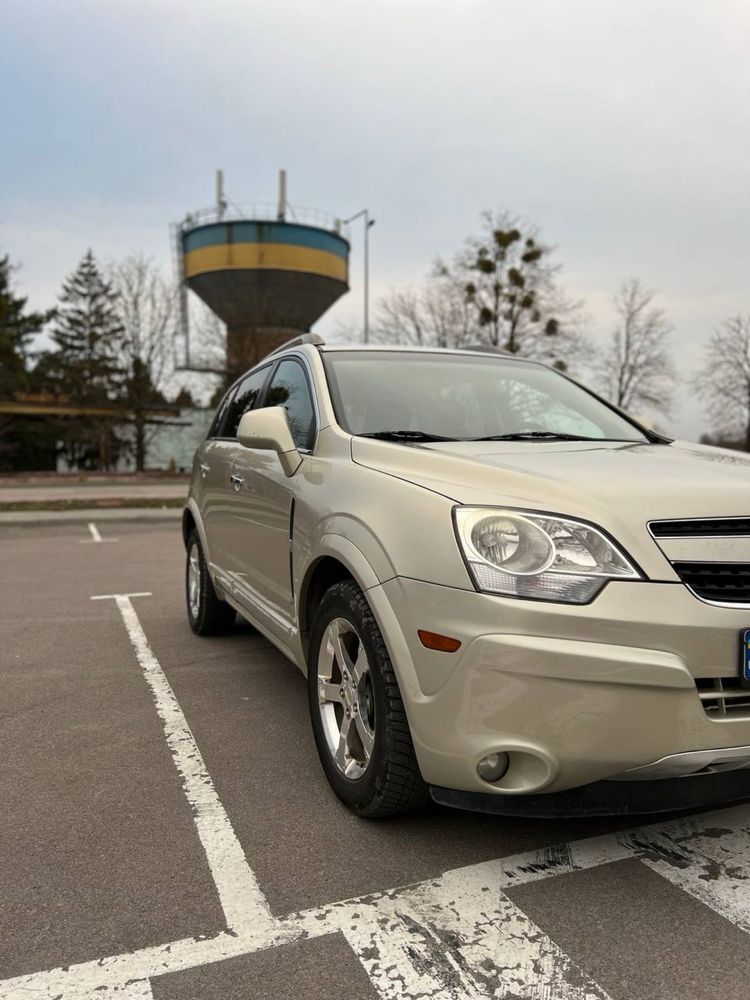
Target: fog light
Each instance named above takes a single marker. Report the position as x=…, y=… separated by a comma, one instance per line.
x=493, y=766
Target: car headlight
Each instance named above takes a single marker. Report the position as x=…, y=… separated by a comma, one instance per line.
x=521, y=554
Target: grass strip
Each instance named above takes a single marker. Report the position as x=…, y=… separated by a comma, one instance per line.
x=115, y=503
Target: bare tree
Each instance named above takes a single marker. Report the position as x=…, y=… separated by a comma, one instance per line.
x=208, y=337
x=147, y=311
x=510, y=281
x=435, y=315
x=724, y=380
x=450, y=314
x=636, y=367
x=400, y=318
x=500, y=289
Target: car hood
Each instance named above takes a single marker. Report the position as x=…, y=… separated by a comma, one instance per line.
x=618, y=485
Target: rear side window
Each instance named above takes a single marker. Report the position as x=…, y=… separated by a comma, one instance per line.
x=220, y=414
x=237, y=402
x=289, y=388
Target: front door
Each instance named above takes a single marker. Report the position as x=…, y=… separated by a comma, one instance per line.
x=262, y=506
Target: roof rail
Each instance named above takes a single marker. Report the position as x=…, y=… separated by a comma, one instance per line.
x=304, y=338
x=486, y=349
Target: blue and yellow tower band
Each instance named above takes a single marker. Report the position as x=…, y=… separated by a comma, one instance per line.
x=267, y=280
x=280, y=246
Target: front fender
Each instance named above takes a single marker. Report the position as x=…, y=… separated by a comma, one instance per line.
x=346, y=552
x=336, y=547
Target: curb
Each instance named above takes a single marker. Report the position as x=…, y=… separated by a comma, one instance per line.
x=151, y=514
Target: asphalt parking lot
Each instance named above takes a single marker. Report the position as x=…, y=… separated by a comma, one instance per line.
x=166, y=830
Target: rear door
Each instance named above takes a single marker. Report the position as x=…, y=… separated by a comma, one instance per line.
x=216, y=459
x=212, y=489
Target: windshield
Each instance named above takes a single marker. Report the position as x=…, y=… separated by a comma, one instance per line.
x=458, y=396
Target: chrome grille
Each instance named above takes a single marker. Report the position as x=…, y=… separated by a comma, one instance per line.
x=724, y=582
x=723, y=696
x=718, y=572
x=711, y=556
x=708, y=527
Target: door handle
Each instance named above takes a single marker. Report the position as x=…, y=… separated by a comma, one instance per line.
x=237, y=482
x=205, y=469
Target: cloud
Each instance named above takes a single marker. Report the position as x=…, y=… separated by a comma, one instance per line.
x=620, y=129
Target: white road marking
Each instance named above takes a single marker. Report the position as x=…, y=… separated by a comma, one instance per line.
x=443, y=940
x=114, y=597
x=102, y=978
x=457, y=937
x=245, y=907
x=422, y=941
x=712, y=864
x=452, y=890
x=138, y=990
x=95, y=536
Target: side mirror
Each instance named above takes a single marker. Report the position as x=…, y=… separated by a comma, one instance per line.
x=268, y=428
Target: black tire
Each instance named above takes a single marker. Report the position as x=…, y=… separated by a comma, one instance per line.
x=391, y=782
x=211, y=616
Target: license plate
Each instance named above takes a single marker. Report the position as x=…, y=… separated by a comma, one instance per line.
x=745, y=657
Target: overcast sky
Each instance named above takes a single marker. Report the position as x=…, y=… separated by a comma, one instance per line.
x=620, y=128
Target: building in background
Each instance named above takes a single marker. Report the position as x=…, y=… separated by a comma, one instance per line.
x=173, y=446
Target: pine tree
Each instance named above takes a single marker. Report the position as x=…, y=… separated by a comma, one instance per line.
x=23, y=443
x=86, y=334
x=84, y=368
x=17, y=329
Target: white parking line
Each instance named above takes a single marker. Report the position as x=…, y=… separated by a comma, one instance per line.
x=713, y=866
x=138, y=990
x=95, y=536
x=245, y=907
x=457, y=937
x=447, y=939
x=114, y=597
x=468, y=903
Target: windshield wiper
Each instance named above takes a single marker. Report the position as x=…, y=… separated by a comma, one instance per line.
x=406, y=436
x=537, y=436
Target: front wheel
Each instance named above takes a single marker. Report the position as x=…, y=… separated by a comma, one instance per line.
x=207, y=613
x=358, y=718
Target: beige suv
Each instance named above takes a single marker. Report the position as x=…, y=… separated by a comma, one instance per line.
x=505, y=593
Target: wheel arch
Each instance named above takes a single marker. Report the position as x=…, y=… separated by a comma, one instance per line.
x=188, y=523
x=337, y=559
x=191, y=518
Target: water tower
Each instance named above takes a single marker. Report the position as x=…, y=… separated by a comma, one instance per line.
x=269, y=272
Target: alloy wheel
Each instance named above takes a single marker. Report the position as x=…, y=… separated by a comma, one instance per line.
x=194, y=580
x=345, y=695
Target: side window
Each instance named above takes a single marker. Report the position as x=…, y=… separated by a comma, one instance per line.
x=214, y=430
x=243, y=399
x=289, y=388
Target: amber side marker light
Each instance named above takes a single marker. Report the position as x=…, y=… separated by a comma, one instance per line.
x=433, y=640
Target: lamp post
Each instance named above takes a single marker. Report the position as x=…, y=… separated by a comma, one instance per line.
x=368, y=222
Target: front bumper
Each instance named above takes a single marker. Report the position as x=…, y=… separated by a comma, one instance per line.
x=574, y=694
x=608, y=798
